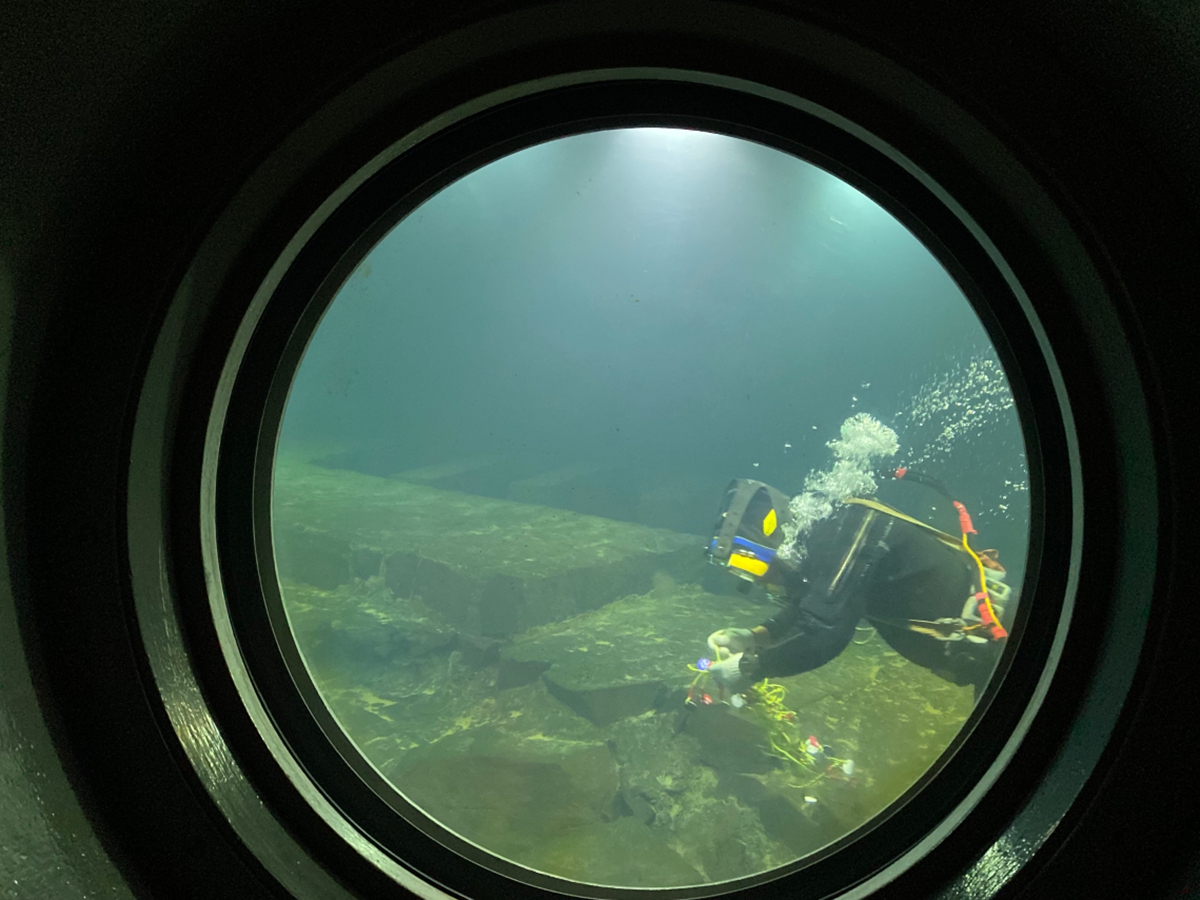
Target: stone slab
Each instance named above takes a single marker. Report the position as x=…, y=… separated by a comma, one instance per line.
x=629, y=656
x=486, y=566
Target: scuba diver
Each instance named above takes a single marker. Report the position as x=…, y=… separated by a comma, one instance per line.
x=930, y=596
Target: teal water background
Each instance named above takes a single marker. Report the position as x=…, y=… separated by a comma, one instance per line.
x=658, y=311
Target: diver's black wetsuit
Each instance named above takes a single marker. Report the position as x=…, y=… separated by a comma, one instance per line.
x=863, y=564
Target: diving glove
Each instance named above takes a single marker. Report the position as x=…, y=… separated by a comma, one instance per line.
x=728, y=641
x=734, y=673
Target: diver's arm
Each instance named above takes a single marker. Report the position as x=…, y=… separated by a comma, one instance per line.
x=813, y=644
x=780, y=625
x=807, y=634
x=827, y=600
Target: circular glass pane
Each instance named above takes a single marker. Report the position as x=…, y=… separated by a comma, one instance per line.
x=649, y=508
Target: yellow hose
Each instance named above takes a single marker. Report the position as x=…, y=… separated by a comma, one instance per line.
x=987, y=600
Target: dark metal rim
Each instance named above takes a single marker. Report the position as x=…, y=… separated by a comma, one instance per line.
x=238, y=473
x=339, y=244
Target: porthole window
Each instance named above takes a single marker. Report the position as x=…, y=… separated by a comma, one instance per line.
x=649, y=509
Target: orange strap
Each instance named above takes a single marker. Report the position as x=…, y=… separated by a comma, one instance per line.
x=964, y=519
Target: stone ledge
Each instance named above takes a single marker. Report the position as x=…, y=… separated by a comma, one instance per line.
x=486, y=566
x=627, y=657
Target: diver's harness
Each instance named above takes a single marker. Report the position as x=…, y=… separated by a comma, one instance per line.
x=979, y=622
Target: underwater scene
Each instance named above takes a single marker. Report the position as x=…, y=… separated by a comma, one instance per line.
x=650, y=508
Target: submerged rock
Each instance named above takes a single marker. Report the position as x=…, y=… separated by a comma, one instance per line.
x=566, y=747
x=603, y=704
x=486, y=566
x=627, y=657
x=363, y=626
x=477, y=651
x=624, y=853
x=730, y=740
x=509, y=795
x=799, y=821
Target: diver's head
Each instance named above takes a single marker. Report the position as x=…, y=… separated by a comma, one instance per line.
x=750, y=531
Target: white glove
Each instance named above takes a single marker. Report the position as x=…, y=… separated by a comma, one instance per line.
x=728, y=641
x=727, y=673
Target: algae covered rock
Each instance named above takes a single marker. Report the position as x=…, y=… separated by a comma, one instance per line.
x=624, y=853
x=363, y=625
x=627, y=657
x=484, y=565
x=730, y=740
x=512, y=804
x=519, y=674
x=664, y=785
x=508, y=794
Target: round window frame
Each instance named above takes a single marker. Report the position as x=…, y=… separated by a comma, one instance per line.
x=373, y=208
x=258, y=766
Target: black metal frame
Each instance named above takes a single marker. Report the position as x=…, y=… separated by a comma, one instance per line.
x=128, y=324
x=281, y=334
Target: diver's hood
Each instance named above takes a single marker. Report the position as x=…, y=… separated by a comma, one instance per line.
x=751, y=530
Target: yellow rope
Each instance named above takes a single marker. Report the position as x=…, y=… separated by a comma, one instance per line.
x=987, y=600
x=771, y=697
x=782, y=730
